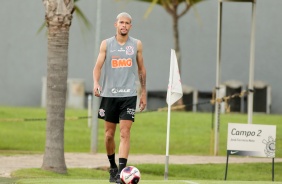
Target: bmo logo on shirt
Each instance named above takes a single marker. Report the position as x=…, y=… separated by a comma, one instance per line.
x=121, y=63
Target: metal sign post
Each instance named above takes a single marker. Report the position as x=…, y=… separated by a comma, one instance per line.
x=218, y=68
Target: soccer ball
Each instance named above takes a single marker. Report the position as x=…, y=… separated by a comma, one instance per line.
x=130, y=175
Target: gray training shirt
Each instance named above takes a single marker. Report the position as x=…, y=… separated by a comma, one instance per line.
x=120, y=69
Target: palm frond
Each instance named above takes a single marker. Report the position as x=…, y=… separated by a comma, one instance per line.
x=82, y=17
x=197, y=15
x=161, y=2
x=41, y=27
x=150, y=9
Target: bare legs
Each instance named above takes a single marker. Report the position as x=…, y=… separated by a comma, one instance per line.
x=124, y=145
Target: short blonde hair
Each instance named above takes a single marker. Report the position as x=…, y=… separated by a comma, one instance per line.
x=124, y=14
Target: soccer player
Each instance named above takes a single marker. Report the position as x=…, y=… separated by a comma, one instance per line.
x=122, y=60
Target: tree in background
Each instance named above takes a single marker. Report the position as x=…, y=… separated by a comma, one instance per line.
x=172, y=7
x=80, y=15
x=58, y=15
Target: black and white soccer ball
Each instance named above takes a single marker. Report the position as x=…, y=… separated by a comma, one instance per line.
x=130, y=175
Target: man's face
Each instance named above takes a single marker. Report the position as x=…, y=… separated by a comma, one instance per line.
x=123, y=25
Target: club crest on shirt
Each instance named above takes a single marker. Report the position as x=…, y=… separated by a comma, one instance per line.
x=129, y=50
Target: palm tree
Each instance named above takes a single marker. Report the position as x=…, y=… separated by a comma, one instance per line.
x=80, y=15
x=171, y=6
x=58, y=15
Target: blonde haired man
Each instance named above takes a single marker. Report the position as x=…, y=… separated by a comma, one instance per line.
x=122, y=59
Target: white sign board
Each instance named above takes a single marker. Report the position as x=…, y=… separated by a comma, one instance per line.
x=251, y=140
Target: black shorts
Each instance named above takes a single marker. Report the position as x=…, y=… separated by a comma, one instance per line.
x=118, y=108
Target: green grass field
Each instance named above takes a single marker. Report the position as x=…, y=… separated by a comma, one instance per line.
x=88, y=181
x=247, y=173
x=190, y=134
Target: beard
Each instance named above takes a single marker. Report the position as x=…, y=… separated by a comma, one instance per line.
x=123, y=34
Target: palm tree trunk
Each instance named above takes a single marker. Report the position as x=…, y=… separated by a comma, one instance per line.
x=58, y=19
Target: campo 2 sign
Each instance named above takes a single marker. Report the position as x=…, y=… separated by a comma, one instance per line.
x=251, y=140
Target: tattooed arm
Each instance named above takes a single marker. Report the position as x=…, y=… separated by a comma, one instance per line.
x=142, y=76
